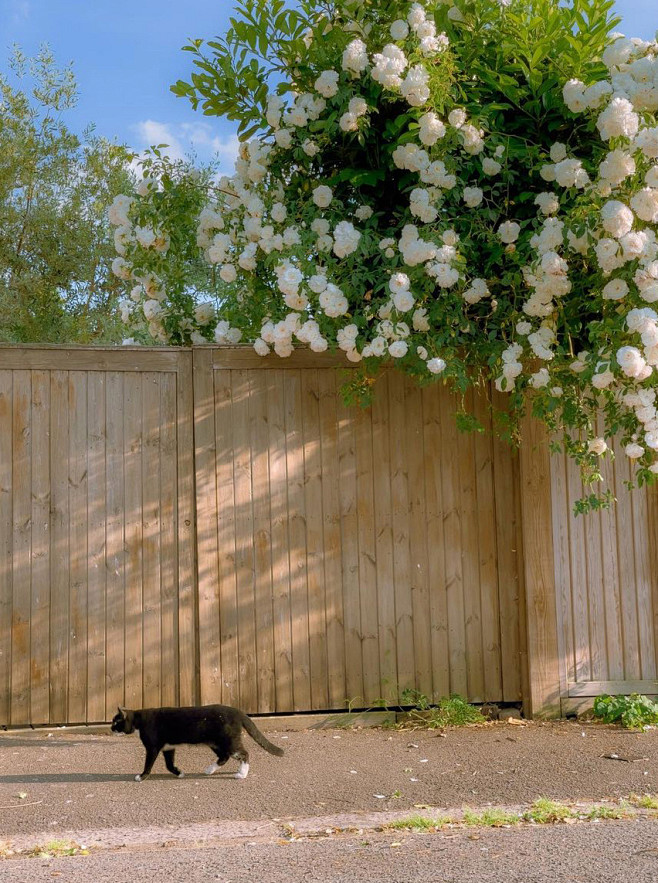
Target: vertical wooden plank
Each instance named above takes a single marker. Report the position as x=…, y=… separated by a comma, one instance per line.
x=78, y=537
x=486, y=530
x=643, y=583
x=611, y=588
x=367, y=571
x=317, y=627
x=115, y=544
x=60, y=547
x=40, y=564
x=183, y=426
x=210, y=476
x=97, y=514
x=401, y=538
x=384, y=543
x=418, y=576
x=543, y=668
x=333, y=576
x=595, y=595
x=470, y=562
x=350, y=554
x=625, y=558
x=22, y=545
x=6, y=531
x=151, y=572
x=652, y=535
x=133, y=442
x=433, y=443
x=579, y=582
x=280, y=543
x=226, y=538
x=262, y=533
x=168, y=534
x=562, y=569
x=244, y=542
x=452, y=533
x=509, y=555
x=298, y=544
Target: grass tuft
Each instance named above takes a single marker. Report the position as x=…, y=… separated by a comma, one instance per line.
x=454, y=711
x=419, y=823
x=607, y=812
x=491, y=817
x=57, y=849
x=545, y=812
x=644, y=801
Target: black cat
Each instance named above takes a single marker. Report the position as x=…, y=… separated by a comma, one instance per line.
x=217, y=726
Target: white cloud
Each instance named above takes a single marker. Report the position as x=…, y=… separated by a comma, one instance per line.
x=20, y=10
x=185, y=139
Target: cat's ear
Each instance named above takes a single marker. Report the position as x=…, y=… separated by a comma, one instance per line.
x=122, y=711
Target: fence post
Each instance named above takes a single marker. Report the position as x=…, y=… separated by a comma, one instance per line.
x=543, y=699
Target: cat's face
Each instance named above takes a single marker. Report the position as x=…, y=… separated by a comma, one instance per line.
x=123, y=721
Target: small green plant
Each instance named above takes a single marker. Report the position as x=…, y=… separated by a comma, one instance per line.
x=418, y=700
x=633, y=712
x=454, y=711
x=419, y=823
x=608, y=812
x=57, y=849
x=545, y=812
x=491, y=818
x=644, y=801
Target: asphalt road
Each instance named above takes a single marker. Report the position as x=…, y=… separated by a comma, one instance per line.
x=619, y=851
x=76, y=783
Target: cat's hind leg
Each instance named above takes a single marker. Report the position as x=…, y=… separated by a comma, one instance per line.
x=243, y=756
x=169, y=761
x=222, y=757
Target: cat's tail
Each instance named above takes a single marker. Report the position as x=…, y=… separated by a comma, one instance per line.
x=258, y=737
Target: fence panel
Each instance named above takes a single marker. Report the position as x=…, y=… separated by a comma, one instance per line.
x=347, y=554
x=97, y=583
x=182, y=526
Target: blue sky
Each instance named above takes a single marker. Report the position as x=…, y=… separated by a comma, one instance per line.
x=126, y=53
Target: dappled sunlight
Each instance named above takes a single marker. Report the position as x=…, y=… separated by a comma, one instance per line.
x=343, y=554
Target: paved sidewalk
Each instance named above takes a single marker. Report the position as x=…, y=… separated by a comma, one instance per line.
x=69, y=782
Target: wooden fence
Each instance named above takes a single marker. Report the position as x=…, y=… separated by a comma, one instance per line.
x=346, y=554
x=185, y=526
x=97, y=584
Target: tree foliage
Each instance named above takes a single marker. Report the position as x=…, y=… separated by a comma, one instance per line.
x=55, y=241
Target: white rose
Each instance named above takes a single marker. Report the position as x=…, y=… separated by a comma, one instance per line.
x=322, y=196
x=509, y=231
x=436, y=366
x=597, y=446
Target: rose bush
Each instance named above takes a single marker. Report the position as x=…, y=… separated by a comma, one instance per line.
x=468, y=190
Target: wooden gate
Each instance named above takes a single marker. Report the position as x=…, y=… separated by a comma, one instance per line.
x=606, y=580
x=97, y=586
x=346, y=554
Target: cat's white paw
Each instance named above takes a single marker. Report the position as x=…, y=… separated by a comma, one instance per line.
x=180, y=774
x=209, y=770
x=243, y=771
x=138, y=778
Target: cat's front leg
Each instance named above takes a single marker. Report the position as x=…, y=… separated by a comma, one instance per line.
x=151, y=755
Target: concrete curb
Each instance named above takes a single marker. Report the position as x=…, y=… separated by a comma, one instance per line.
x=225, y=831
